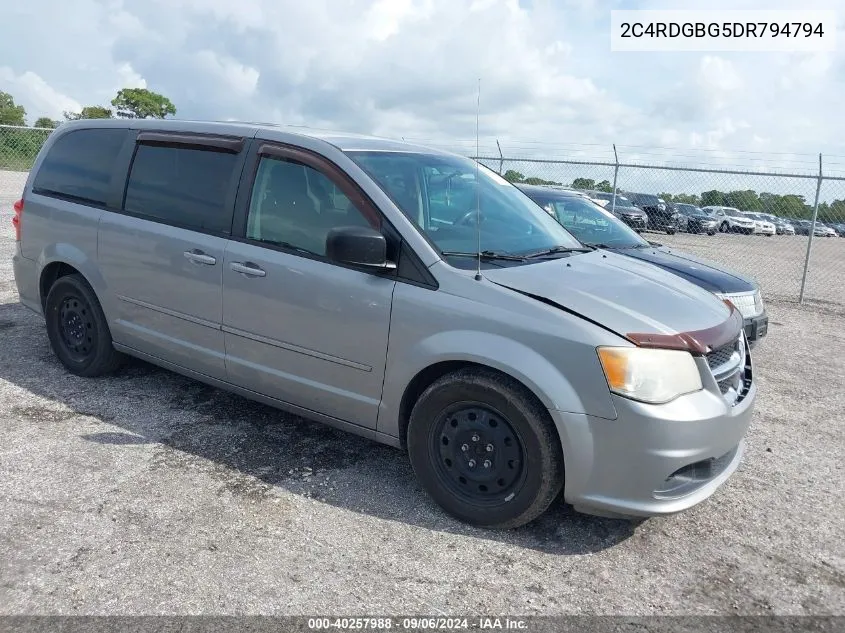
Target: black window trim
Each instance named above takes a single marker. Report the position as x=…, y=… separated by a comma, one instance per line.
x=397, y=247
x=197, y=142
x=194, y=140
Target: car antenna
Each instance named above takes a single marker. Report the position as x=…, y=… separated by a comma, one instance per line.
x=477, y=189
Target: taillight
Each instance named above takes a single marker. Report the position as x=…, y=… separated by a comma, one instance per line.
x=16, y=219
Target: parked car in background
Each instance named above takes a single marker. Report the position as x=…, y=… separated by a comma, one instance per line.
x=409, y=295
x=660, y=218
x=730, y=220
x=825, y=230
x=782, y=226
x=623, y=209
x=697, y=221
x=762, y=226
x=839, y=228
x=597, y=227
x=803, y=227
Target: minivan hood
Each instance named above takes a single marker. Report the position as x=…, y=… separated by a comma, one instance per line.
x=620, y=293
x=708, y=275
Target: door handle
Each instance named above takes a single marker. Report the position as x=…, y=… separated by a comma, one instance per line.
x=198, y=257
x=248, y=268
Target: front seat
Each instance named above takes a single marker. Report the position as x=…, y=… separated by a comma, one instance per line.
x=289, y=214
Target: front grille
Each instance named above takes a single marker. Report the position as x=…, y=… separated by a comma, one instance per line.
x=719, y=357
x=731, y=368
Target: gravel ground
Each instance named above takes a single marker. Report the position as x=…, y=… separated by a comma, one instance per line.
x=147, y=493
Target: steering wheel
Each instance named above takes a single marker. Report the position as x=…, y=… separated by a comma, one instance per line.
x=469, y=217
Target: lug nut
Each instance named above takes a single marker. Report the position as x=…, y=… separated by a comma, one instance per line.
x=475, y=437
x=472, y=463
x=489, y=448
x=487, y=463
x=465, y=448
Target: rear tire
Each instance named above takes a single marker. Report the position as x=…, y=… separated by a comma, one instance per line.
x=77, y=328
x=670, y=231
x=484, y=449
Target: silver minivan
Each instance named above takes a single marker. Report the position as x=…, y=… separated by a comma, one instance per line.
x=405, y=294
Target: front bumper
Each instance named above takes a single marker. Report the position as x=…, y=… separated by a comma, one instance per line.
x=635, y=221
x=653, y=459
x=756, y=328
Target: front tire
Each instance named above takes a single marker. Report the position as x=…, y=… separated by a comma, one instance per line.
x=670, y=231
x=77, y=328
x=485, y=450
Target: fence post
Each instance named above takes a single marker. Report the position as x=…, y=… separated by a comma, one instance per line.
x=812, y=231
x=615, y=174
x=501, y=158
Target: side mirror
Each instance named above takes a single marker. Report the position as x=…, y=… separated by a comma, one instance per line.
x=358, y=246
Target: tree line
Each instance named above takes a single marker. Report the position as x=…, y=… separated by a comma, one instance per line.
x=18, y=148
x=788, y=206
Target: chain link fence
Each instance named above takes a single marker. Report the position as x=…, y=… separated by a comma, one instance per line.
x=796, y=249
x=785, y=230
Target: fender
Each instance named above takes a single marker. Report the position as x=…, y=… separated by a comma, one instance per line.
x=498, y=352
x=61, y=252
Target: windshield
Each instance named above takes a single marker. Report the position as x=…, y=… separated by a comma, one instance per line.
x=590, y=223
x=734, y=213
x=438, y=194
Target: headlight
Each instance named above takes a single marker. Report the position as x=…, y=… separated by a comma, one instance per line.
x=661, y=207
x=649, y=375
x=749, y=304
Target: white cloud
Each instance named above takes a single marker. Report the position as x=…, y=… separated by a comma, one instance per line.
x=410, y=68
x=35, y=94
x=234, y=76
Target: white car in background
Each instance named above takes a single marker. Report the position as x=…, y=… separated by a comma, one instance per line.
x=761, y=225
x=731, y=220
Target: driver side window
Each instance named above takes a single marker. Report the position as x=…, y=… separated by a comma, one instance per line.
x=295, y=205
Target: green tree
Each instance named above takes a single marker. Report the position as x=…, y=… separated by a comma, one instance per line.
x=668, y=197
x=712, y=198
x=45, y=121
x=513, y=176
x=686, y=198
x=747, y=200
x=140, y=103
x=533, y=180
x=836, y=210
x=605, y=186
x=10, y=113
x=583, y=183
x=89, y=112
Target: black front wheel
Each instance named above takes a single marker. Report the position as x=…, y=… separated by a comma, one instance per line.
x=77, y=328
x=485, y=450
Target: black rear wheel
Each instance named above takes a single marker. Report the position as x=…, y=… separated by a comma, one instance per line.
x=77, y=328
x=469, y=440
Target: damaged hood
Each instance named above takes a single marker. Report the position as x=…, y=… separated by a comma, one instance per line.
x=620, y=293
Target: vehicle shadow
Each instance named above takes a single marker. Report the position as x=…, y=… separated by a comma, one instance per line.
x=255, y=448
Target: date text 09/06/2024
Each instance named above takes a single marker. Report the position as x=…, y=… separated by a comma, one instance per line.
x=418, y=624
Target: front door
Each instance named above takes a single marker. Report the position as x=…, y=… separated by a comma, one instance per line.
x=297, y=326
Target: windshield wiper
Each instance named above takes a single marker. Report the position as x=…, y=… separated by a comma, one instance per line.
x=560, y=249
x=486, y=255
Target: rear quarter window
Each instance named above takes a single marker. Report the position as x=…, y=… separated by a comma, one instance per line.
x=180, y=185
x=78, y=166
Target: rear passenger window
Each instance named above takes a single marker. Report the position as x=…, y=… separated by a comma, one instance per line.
x=78, y=166
x=183, y=186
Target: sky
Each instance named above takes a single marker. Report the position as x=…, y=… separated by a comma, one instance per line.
x=550, y=85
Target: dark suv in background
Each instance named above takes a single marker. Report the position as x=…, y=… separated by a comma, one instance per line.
x=660, y=216
x=623, y=209
x=696, y=220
